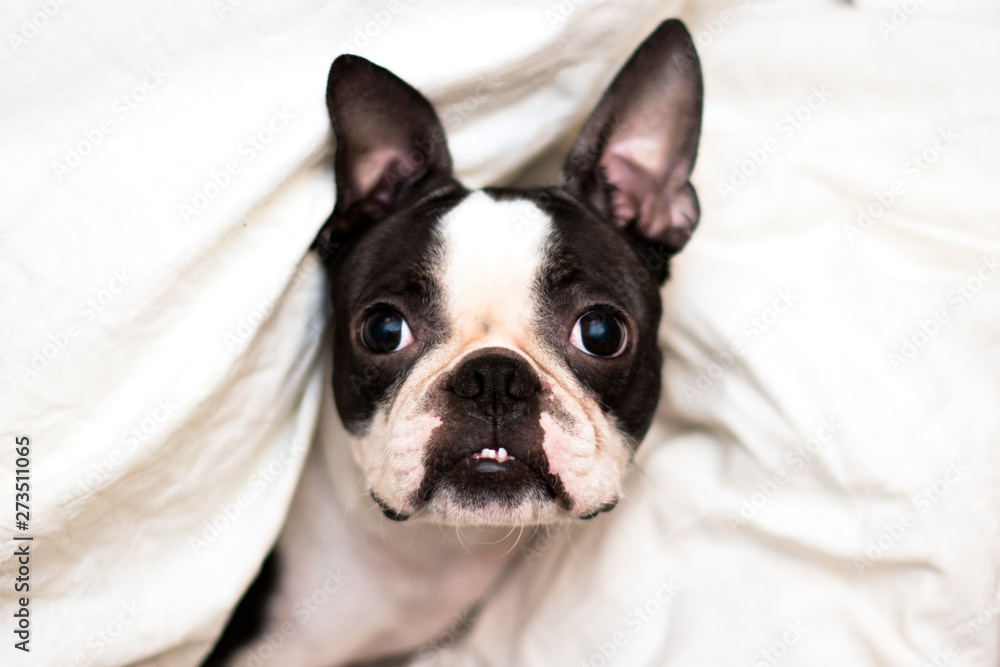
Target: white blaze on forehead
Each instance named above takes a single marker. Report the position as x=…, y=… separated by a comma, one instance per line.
x=492, y=253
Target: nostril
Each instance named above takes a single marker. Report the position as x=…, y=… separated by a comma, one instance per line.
x=519, y=384
x=468, y=384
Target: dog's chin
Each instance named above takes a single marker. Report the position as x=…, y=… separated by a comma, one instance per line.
x=457, y=508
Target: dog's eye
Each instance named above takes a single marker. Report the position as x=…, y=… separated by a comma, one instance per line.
x=385, y=331
x=599, y=333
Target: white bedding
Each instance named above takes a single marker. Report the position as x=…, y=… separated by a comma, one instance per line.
x=822, y=484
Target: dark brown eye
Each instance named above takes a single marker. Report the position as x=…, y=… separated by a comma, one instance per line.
x=385, y=331
x=600, y=334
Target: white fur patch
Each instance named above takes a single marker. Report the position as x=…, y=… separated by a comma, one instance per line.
x=392, y=455
x=492, y=253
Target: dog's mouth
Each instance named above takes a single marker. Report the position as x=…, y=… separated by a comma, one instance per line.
x=491, y=487
x=491, y=475
x=488, y=479
x=487, y=456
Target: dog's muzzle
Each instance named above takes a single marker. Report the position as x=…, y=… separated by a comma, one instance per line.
x=488, y=449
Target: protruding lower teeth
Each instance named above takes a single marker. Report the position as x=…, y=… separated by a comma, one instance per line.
x=495, y=454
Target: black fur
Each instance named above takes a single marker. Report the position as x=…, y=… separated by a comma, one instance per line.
x=247, y=621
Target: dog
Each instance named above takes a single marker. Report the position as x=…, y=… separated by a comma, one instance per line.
x=494, y=359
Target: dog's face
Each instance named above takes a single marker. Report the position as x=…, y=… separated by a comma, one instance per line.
x=495, y=353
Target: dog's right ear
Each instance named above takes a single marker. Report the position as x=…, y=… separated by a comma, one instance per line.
x=390, y=142
x=634, y=157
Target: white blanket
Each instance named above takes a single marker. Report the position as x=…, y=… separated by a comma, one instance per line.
x=821, y=484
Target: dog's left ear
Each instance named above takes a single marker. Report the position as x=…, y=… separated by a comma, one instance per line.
x=390, y=144
x=634, y=156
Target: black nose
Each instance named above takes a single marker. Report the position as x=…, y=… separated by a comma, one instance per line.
x=495, y=387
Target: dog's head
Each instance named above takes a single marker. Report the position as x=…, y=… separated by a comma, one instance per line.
x=495, y=352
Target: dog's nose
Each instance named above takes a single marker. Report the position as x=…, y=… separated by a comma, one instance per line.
x=495, y=386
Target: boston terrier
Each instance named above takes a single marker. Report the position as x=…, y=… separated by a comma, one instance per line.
x=494, y=360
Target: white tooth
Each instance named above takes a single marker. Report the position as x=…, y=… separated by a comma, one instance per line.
x=501, y=453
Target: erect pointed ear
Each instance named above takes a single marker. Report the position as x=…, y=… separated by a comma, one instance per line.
x=389, y=143
x=634, y=156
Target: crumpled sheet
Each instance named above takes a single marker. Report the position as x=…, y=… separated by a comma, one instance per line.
x=821, y=483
